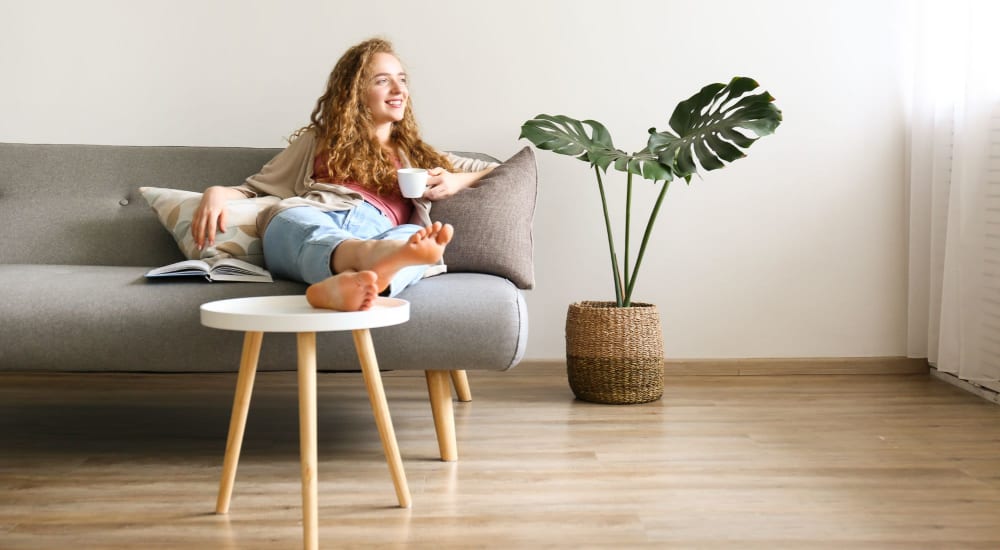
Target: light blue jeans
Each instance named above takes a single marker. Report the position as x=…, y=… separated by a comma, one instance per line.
x=300, y=241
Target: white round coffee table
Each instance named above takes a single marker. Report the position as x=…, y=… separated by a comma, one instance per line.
x=258, y=315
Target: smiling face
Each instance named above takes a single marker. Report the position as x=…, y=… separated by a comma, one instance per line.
x=387, y=92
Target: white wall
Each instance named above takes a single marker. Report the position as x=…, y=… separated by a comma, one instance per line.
x=796, y=251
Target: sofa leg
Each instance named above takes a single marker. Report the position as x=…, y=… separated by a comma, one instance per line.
x=439, y=389
x=461, y=382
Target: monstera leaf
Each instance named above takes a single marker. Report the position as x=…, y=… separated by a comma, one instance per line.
x=715, y=126
x=568, y=136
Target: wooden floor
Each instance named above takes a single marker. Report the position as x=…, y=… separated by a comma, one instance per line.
x=132, y=461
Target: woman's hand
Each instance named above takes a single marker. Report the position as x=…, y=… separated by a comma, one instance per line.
x=211, y=214
x=442, y=184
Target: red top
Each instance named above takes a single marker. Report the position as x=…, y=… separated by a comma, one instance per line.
x=392, y=205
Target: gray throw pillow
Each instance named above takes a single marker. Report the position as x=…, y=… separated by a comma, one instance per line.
x=493, y=222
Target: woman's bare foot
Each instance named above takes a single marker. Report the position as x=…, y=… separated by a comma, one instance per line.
x=423, y=247
x=387, y=257
x=348, y=291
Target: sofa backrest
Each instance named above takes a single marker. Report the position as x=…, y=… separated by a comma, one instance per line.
x=80, y=204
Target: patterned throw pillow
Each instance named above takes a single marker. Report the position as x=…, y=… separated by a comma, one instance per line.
x=175, y=208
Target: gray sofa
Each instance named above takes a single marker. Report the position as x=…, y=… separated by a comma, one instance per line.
x=78, y=238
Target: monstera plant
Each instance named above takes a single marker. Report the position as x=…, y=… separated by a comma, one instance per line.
x=710, y=129
x=614, y=350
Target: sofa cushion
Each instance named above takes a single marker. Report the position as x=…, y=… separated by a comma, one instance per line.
x=493, y=222
x=104, y=318
x=175, y=208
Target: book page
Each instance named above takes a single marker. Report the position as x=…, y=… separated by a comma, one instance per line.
x=182, y=268
x=231, y=269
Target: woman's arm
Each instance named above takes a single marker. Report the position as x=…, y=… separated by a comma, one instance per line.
x=282, y=176
x=442, y=184
x=211, y=214
x=468, y=171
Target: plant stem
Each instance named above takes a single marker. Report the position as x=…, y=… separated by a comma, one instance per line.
x=611, y=241
x=628, y=230
x=645, y=241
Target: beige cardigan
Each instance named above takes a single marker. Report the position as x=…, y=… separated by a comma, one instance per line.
x=289, y=176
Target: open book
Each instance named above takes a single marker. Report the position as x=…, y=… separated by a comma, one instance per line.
x=225, y=269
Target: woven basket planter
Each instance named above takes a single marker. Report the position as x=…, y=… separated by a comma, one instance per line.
x=614, y=355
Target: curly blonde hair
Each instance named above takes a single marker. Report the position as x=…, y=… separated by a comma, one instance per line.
x=345, y=131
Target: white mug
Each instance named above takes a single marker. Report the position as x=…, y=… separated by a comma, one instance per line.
x=412, y=182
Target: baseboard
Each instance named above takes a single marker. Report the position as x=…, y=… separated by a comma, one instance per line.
x=769, y=367
x=986, y=393
x=802, y=365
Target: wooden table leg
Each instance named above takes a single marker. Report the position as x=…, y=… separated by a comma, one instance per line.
x=307, y=438
x=380, y=408
x=238, y=420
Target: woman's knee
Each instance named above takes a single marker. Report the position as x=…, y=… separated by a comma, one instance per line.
x=298, y=245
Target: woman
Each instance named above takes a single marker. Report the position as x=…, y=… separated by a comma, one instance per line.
x=342, y=224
